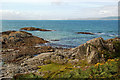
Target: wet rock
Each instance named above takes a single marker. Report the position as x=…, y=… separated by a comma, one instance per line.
x=34, y=29
x=85, y=33
x=55, y=40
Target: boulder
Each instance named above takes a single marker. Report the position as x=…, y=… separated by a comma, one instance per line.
x=34, y=29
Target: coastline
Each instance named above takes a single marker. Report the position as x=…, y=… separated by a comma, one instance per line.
x=26, y=58
x=66, y=31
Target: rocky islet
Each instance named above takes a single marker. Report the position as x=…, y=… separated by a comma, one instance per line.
x=90, y=33
x=34, y=29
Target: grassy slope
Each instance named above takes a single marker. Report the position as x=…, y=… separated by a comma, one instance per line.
x=108, y=69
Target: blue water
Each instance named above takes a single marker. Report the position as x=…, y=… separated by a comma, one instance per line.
x=66, y=30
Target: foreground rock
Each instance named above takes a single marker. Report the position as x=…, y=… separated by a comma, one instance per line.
x=19, y=38
x=92, y=52
x=34, y=29
x=19, y=45
x=18, y=55
x=95, y=50
x=85, y=33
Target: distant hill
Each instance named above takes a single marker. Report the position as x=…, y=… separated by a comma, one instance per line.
x=103, y=18
x=111, y=18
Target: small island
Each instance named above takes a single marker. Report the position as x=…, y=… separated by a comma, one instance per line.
x=34, y=29
x=85, y=33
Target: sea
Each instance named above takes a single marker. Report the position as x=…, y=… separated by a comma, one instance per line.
x=65, y=32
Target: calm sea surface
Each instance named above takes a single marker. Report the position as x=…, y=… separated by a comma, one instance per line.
x=66, y=30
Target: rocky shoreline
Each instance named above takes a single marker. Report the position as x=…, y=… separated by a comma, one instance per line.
x=20, y=56
x=17, y=47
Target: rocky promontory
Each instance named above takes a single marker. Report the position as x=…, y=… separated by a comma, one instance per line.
x=34, y=29
x=17, y=45
x=19, y=38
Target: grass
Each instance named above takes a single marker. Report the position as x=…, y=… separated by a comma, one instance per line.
x=50, y=67
x=53, y=69
x=108, y=69
x=50, y=70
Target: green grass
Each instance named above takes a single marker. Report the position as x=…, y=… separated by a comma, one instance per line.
x=50, y=70
x=108, y=69
x=50, y=67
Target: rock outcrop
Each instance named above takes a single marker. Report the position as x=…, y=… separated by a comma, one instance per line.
x=85, y=33
x=17, y=45
x=97, y=50
x=19, y=54
x=19, y=38
x=93, y=51
x=34, y=29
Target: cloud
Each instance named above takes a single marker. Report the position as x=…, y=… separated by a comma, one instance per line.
x=97, y=12
x=109, y=11
x=24, y=1
x=9, y=14
x=23, y=15
x=87, y=13
x=13, y=15
x=56, y=1
x=46, y=11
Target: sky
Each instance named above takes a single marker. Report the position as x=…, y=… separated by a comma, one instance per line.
x=57, y=9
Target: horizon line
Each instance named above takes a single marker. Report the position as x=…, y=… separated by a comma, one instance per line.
x=74, y=19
